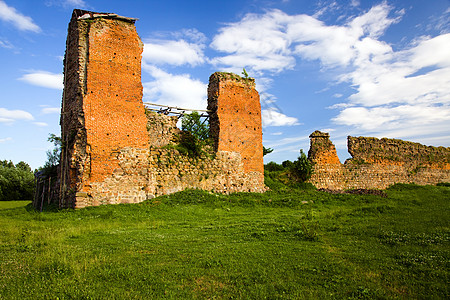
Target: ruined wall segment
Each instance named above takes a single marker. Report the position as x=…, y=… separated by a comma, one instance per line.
x=327, y=169
x=102, y=109
x=235, y=118
x=376, y=163
x=398, y=152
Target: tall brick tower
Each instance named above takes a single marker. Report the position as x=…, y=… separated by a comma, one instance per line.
x=235, y=119
x=102, y=109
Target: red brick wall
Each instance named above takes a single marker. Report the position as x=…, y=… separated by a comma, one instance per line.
x=236, y=121
x=114, y=113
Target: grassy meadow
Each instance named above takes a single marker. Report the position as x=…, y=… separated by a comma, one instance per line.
x=291, y=243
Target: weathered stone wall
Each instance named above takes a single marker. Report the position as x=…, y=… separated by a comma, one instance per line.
x=161, y=169
x=116, y=152
x=162, y=129
x=376, y=163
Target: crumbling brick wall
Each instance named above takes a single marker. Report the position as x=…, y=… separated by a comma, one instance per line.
x=236, y=118
x=102, y=109
x=115, y=152
x=376, y=163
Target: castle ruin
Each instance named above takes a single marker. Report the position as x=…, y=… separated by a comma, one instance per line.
x=115, y=152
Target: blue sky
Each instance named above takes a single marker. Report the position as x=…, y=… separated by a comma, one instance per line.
x=350, y=67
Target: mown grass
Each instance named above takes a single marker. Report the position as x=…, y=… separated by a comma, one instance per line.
x=297, y=243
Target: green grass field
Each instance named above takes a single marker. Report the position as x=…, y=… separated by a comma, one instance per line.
x=290, y=244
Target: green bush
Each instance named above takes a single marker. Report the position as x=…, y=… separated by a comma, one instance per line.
x=190, y=144
x=16, y=181
x=302, y=167
x=273, y=166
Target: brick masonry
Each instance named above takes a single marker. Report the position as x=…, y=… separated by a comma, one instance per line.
x=116, y=152
x=376, y=163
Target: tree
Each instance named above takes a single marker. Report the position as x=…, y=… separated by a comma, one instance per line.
x=16, y=182
x=193, y=124
x=302, y=167
x=53, y=156
x=267, y=150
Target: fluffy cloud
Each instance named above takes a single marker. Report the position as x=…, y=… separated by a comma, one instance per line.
x=174, y=90
x=44, y=79
x=11, y=15
x=257, y=42
x=175, y=53
x=10, y=116
x=394, y=90
x=272, y=117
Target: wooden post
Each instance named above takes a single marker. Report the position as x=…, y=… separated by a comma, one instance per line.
x=49, y=190
x=42, y=196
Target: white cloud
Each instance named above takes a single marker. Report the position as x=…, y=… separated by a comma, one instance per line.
x=271, y=117
x=78, y=3
x=257, y=42
x=287, y=141
x=355, y=3
x=4, y=140
x=11, y=15
x=440, y=23
x=40, y=124
x=51, y=110
x=44, y=79
x=190, y=34
x=10, y=116
x=403, y=116
x=68, y=3
x=6, y=44
x=174, y=90
x=175, y=53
